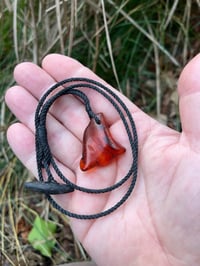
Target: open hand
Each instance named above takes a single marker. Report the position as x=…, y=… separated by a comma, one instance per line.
x=160, y=222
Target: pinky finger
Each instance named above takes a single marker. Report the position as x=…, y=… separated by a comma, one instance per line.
x=22, y=141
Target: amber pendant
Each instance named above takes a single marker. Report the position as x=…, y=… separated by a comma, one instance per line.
x=99, y=147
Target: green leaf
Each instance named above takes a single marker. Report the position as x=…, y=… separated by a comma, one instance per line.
x=41, y=236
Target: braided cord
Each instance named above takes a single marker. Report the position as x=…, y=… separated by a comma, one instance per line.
x=43, y=153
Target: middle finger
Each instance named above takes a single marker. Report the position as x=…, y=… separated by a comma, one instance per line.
x=61, y=141
x=68, y=110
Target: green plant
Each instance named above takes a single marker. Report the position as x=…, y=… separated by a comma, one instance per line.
x=137, y=46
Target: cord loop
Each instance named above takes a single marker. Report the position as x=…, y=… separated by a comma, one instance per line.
x=75, y=86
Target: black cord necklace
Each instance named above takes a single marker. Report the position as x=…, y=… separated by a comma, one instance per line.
x=75, y=86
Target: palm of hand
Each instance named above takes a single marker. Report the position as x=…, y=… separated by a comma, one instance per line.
x=159, y=224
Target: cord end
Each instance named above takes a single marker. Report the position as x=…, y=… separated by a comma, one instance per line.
x=52, y=188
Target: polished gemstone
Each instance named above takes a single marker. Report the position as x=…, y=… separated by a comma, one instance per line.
x=99, y=147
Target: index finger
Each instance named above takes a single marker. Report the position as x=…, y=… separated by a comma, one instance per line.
x=62, y=67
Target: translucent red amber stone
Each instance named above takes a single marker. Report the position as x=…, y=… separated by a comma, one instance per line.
x=99, y=147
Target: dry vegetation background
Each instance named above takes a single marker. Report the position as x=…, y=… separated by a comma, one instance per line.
x=137, y=46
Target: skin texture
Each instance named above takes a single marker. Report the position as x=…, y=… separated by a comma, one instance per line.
x=160, y=222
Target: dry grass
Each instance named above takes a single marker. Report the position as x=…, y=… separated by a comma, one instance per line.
x=137, y=46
